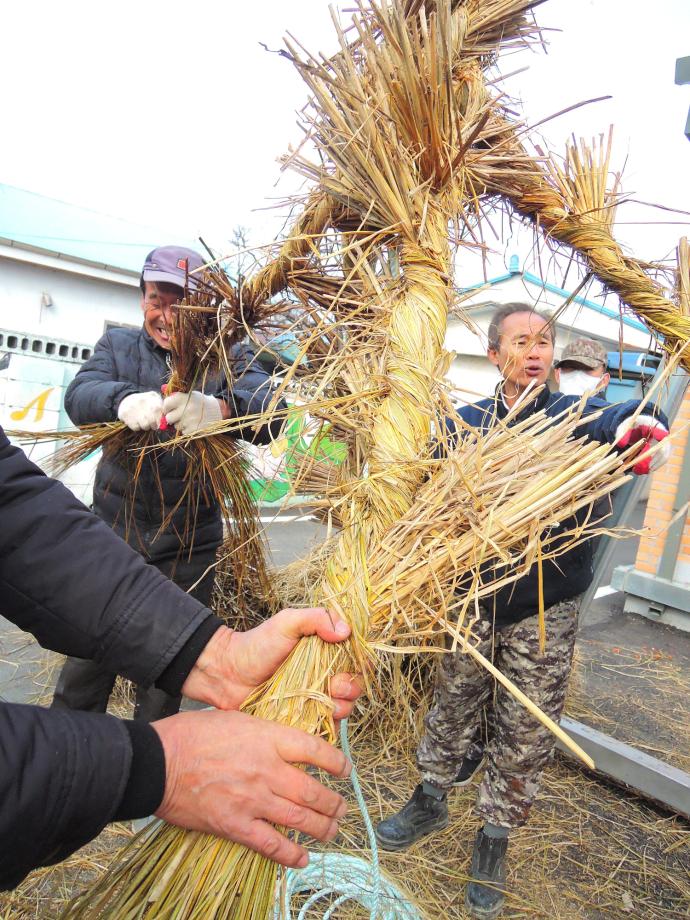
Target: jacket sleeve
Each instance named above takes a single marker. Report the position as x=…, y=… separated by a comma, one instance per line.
x=604, y=427
x=62, y=777
x=250, y=394
x=77, y=587
x=95, y=393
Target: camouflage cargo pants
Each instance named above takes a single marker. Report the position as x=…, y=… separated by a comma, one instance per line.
x=519, y=746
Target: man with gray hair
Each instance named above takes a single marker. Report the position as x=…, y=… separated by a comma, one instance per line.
x=521, y=345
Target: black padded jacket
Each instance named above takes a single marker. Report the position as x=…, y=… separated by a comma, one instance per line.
x=80, y=590
x=127, y=361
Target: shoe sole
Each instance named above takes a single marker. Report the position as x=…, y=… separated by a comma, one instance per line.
x=394, y=845
x=480, y=913
x=465, y=782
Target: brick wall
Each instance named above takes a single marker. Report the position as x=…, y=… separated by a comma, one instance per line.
x=660, y=505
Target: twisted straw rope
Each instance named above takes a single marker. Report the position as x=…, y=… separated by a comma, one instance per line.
x=275, y=276
x=563, y=214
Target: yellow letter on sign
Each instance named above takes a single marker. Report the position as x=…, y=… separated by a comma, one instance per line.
x=39, y=402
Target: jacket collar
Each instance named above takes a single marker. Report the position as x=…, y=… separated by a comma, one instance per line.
x=153, y=346
x=534, y=404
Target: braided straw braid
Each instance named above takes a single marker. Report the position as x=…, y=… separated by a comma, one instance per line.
x=574, y=206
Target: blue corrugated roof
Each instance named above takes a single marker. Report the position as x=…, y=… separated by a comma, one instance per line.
x=58, y=227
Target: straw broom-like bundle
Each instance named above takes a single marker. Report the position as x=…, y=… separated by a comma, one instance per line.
x=239, y=883
x=398, y=113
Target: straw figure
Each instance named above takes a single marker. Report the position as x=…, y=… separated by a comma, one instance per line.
x=409, y=140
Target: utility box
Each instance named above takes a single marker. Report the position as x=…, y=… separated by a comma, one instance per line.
x=631, y=373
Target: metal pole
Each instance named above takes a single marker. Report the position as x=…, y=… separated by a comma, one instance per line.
x=647, y=775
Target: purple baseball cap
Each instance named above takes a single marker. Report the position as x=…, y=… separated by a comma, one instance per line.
x=173, y=264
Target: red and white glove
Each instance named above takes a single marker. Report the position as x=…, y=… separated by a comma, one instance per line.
x=141, y=411
x=191, y=412
x=650, y=430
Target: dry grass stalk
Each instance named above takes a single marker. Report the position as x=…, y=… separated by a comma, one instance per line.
x=683, y=277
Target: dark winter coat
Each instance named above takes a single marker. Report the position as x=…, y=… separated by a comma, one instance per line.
x=570, y=573
x=127, y=361
x=80, y=590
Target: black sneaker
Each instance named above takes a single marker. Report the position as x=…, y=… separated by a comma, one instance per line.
x=426, y=811
x=468, y=770
x=485, y=894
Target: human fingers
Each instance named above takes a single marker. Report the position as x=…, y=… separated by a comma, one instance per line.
x=641, y=433
x=154, y=418
x=296, y=746
x=344, y=689
x=660, y=456
x=294, y=623
x=265, y=839
x=654, y=459
x=306, y=792
x=174, y=406
x=286, y=813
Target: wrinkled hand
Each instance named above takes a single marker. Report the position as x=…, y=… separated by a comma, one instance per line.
x=234, y=664
x=232, y=775
x=649, y=430
x=191, y=412
x=141, y=411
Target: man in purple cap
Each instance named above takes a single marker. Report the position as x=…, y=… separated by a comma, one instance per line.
x=142, y=500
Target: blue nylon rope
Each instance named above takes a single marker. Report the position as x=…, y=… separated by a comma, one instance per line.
x=348, y=877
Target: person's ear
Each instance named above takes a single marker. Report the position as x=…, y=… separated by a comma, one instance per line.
x=492, y=355
x=605, y=380
x=557, y=375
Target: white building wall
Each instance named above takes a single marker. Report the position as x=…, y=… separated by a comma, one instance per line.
x=42, y=346
x=32, y=390
x=80, y=304
x=473, y=377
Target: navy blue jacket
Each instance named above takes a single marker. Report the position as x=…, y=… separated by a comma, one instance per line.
x=127, y=361
x=570, y=573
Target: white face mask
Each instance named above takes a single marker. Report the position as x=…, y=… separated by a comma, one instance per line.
x=576, y=383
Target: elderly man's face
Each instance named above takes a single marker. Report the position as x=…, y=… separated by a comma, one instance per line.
x=525, y=352
x=157, y=304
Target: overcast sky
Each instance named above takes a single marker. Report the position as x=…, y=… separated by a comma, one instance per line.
x=173, y=115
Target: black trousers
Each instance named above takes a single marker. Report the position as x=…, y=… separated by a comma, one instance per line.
x=87, y=685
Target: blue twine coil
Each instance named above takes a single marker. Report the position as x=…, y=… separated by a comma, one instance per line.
x=348, y=877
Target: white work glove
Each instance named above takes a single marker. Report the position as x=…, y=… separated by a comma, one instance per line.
x=191, y=412
x=648, y=429
x=141, y=411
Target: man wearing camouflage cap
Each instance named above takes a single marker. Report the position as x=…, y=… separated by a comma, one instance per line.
x=582, y=368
